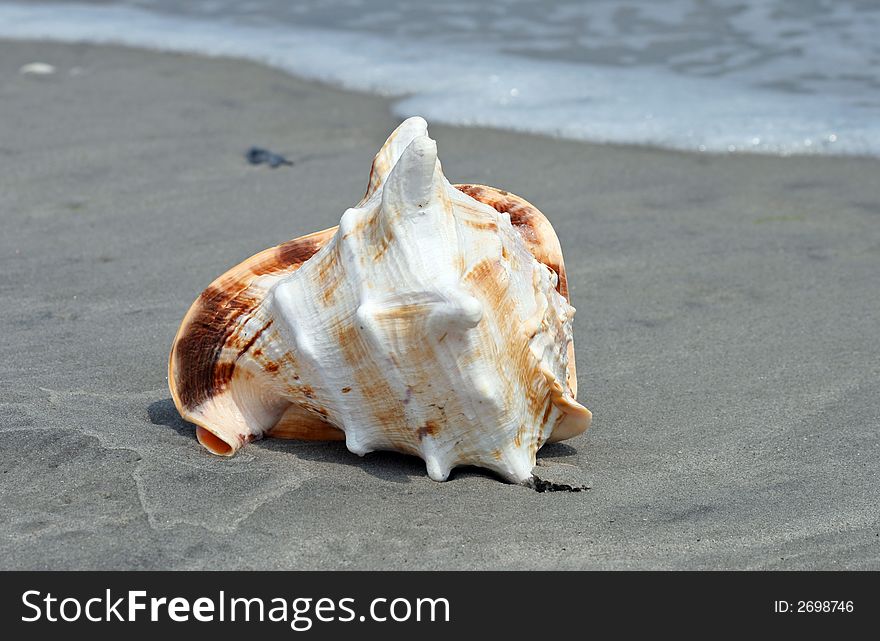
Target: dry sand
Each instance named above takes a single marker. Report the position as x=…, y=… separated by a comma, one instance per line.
x=727, y=338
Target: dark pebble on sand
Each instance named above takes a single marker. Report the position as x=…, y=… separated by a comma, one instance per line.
x=258, y=156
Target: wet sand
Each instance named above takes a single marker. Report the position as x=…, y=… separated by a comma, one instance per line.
x=727, y=338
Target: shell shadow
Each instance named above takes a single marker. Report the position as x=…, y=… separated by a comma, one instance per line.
x=387, y=466
x=165, y=414
x=557, y=450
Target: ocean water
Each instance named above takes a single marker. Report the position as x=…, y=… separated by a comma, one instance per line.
x=761, y=76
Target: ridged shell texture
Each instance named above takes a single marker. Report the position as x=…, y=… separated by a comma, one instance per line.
x=433, y=321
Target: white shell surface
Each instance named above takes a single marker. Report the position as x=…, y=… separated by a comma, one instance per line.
x=425, y=325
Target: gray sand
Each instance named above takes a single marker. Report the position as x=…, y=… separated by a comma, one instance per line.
x=727, y=339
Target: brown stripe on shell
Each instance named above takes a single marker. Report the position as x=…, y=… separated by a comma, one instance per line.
x=253, y=339
x=531, y=224
x=197, y=350
x=542, y=243
x=430, y=428
x=197, y=372
x=300, y=424
x=330, y=273
x=295, y=252
x=518, y=366
x=371, y=381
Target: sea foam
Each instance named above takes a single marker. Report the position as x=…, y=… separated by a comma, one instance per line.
x=581, y=71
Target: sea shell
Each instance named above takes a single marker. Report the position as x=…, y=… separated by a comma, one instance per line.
x=434, y=320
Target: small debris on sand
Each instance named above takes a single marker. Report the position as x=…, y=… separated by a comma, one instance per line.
x=37, y=69
x=258, y=156
x=558, y=477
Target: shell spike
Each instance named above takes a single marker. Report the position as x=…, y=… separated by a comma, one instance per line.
x=519, y=467
x=459, y=311
x=415, y=181
x=390, y=153
x=438, y=470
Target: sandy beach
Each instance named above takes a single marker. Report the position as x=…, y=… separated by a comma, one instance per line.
x=727, y=338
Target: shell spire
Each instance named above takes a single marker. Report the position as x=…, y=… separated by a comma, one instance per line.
x=386, y=158
x=436, y=322
x=416, y=180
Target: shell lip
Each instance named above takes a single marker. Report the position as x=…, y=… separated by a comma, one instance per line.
x=213, y=442
x=576, y=421
x=260, y=264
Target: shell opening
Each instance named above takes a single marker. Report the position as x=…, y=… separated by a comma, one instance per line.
x=213, y=443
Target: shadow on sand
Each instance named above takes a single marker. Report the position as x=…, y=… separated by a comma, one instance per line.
x=387, y=466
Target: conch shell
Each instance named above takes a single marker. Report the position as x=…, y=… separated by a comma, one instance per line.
x=434, y=320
